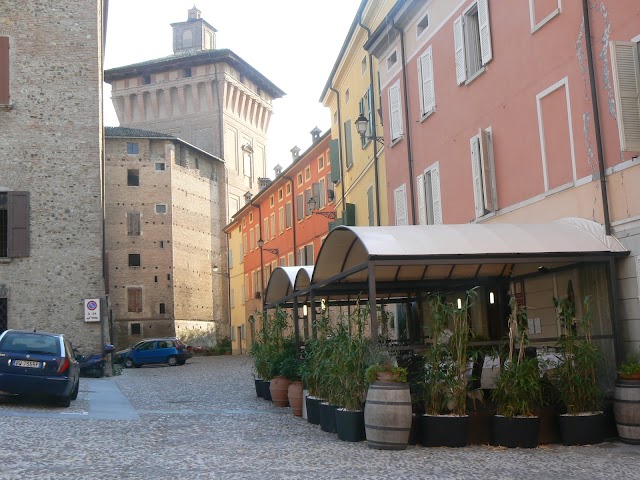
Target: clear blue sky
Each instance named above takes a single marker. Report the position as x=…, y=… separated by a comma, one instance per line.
x=294, y=43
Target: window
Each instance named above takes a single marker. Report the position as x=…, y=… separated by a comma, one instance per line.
x=247, y=151
x=245, y=248
x=347, y=144
x=168, y=276
x=186, y=72
x=132, y=148
x=273, y=225
x=133, y=177
x=246, y=289
x=482, y=170
x=300, y=180
x=160, y=166
x=392, y=60
x=134, y=259
x=256, y=284
x=367, y=110
x=315, y=193
x=252, y=239
x=400, y=204
x=5, y=79
x=197, y=164
x=625, y=63
x=429, y=203
x=322, y=191
x=161, y=243
x=363, y=65
x=290, y=259
x=305, y=255
x=134, y=299
x=370, y=207
x=472, y=41
x=425, y=82
x=307, y=174
x=541, y=12
x=250, y=218
x=232, y=298
x=14, y=224
x=288, y=189
x=163, y=309
x=155, y=279
x=346, y=96
x=136, y=329
x=307, y=197
x=422, y=25
x=271, y=201
x=133, y=224
x=161, y=208
x=288, y=215
x=146, y=79
x=300, y=206
x=266, y=229
x=280, y=195
x=395, y=113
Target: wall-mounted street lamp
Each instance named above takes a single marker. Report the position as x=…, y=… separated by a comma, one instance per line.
x=270, y=250
x=362, y=125
x=311, y=205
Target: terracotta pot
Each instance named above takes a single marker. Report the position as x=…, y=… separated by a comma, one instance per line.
x=279, y=389
x=295, y=398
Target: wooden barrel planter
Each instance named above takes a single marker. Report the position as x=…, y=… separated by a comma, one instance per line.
x=626, y=409
x=387, y=415
x=279, y=389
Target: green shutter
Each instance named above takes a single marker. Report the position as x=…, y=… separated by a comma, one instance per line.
x=334, y=154
x=348, y=144
x=349, y=215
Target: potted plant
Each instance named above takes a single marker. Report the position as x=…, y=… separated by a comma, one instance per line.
x=626, y=405
x=575, y=377
x=518, y=392
x=387, y=411
x=280, y=369
x=445, y=422
x=310, y=372
x=290, y=368
x=266, y=348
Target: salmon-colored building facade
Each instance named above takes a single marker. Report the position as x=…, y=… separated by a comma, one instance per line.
x=492, y=118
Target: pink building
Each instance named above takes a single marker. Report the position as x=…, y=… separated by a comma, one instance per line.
x=489, y=116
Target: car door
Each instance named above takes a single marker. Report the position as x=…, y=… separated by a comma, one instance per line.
x=165, y=349
x=145, y=353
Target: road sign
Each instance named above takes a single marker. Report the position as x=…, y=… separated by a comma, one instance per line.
x=92, y=310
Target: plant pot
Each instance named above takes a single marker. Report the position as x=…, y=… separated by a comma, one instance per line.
x=445, y=430
x=626, y=410
x=279, y=389
x=328, y=417
x=258, y=384
x=294, y=395
x=350, y=425
x=305, y=394
x=515, y=432
x=415, y=435
x=313, y=410
x=387, y=415
x=586, y=429
x=266, y=390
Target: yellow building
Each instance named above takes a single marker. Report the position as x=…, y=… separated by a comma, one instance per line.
x=352, y=90
x=239, y=337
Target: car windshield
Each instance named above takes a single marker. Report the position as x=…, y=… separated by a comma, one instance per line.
x=30, y=343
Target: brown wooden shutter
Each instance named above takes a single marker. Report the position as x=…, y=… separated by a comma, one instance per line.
x=18, y=245
x=134, y=299
x=4, y=71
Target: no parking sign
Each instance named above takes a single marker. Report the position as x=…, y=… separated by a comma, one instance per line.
x=92, y=310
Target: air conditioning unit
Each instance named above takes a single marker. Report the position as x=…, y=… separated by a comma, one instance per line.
x=331, y=195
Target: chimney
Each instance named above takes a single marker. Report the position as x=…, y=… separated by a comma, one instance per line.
x=247, y=197
x=315, y=134
x=295, y=152
x=277, y=169
x=263, y=182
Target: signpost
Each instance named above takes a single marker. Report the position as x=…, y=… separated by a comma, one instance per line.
x=91, y=310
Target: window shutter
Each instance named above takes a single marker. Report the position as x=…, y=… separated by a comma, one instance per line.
x=485, y=31
x=363, y=139
x=435, y=189
x=487, y=177
x=476, y=169
x=308, y=250
x=322, y=191
x=18, y=244
x=372, y=215
x=395, y=113
x=315, y=193
x=626, y=74
x=458, y=43
x=426, y=82
x=288, y=215
x=349, y=215
x=307, y=197
x=347, y=143
x=400, y=200
x=334, y=157
x=300, y=207
x=422, y=205
x=4, y=71
x=371, y=116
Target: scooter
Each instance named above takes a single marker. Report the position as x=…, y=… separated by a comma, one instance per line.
x=94, y=365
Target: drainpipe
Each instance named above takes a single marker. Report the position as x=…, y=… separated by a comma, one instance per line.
x=613, y=277
x=340, y=149
x=408, y=127
x=293, y=220
x=373, y=125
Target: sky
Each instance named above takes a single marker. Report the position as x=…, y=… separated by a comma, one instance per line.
x=294, y=43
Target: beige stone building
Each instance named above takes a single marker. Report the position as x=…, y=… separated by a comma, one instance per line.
x=165, y=210
x=208, y=97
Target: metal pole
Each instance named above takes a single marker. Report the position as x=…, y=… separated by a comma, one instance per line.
x=296, y=328
x=312, y=306
x=373, y=311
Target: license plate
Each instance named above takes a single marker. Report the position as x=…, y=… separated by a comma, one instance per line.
x=26, y=363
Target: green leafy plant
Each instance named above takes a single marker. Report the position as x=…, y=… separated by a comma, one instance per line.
x=382, y=362
x=518, y=389
x=576, y=376
x=630, y=368
x=269, y=343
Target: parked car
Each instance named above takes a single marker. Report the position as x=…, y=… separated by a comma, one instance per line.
x=121, y=355
x=38, y=363
x=157, y=350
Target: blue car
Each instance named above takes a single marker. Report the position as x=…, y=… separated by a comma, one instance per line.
x=38, y=363
x=157, y=350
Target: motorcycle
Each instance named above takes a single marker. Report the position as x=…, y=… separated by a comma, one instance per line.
x=94, y=365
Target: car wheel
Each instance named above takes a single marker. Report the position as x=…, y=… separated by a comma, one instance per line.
x=64, y=401
x=181, y=362
x=74, y=392
x=172, y=361
x=128, y=363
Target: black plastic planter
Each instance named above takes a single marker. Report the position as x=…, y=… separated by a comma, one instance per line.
x=350, y=425
x=266, y=391
x=515, y=432
x=313, y=410
x=258, y=384
x=328, y=417
x=582, y=429
x=444, y=431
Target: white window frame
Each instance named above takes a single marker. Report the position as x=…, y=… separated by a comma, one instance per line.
x=159, y=205
x=395, y=112
x=627, y=95
x=429, y=196
x=160, y=167
x=483, y=175
x=462, y=41
x=400, y=205
x=537, y=25
x=426, y=83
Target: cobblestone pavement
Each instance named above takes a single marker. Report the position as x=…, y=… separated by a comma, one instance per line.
x=203, y=420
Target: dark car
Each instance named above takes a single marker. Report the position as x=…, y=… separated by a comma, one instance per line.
x=157, y=350
x=38, y=363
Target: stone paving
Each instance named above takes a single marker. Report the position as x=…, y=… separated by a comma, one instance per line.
x=203, y=421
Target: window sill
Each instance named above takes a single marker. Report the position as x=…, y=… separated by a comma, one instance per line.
x=427, y=115
x=475, y=75
x=6, y=108
x=396, y=141
x=349, y=167
x=5, y=260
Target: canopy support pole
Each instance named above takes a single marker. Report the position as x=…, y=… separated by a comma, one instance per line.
x=296, y=326
x=373, y=311
x=312, y=308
